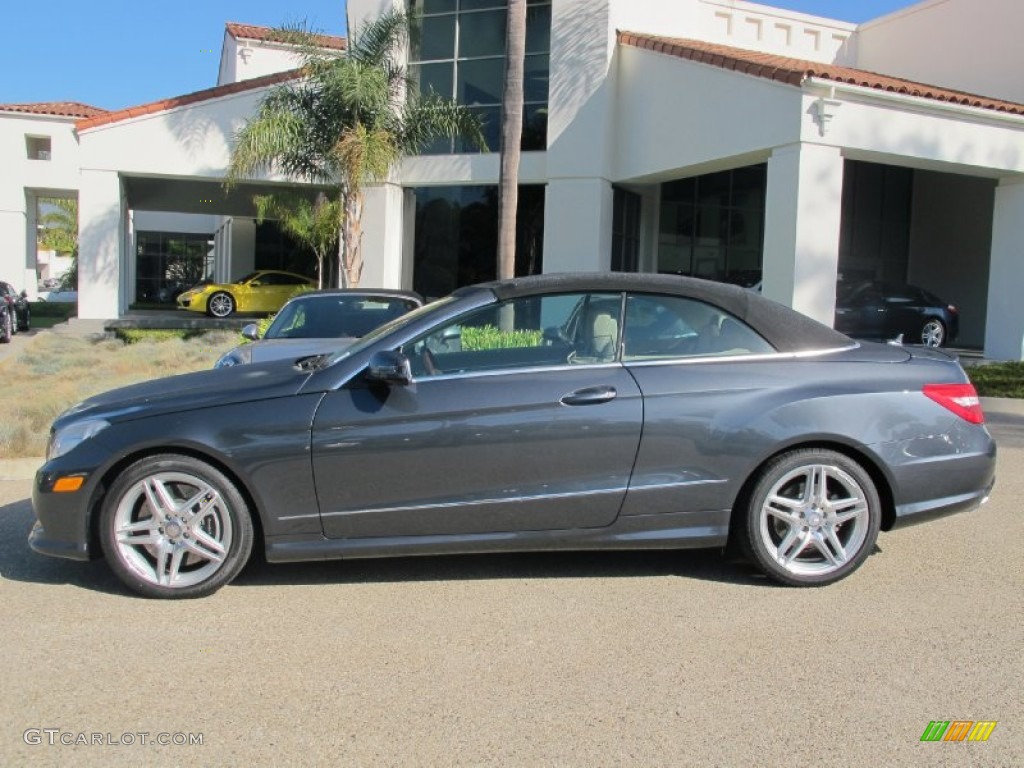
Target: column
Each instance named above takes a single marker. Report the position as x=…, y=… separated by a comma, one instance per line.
x=803, y=209
x=1004, y=326
x=383, y=237
x=14, y=234
x=578, y=225
x=100, y=241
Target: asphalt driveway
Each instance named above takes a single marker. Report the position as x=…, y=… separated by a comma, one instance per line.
x=582, y=659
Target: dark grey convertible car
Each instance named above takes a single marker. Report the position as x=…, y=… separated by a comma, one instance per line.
x=595, y=411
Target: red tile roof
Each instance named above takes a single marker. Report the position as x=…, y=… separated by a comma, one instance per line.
x=55, y=108
x=795, y=71
x=189, y=98
x=268, y=34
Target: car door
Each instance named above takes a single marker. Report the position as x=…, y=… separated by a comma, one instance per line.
x=702, y=372
x=266, y=293
x=501, y=431
x=862, y=313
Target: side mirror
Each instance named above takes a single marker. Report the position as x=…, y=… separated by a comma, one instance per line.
x=389, y=367
x=251, y=332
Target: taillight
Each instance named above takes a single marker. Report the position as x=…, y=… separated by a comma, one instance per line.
x=953, y=310
x=961, y=399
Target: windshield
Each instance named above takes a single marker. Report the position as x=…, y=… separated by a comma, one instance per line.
x=387, y=328
x=334, y=317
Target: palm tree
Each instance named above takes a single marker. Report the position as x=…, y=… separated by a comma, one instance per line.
x=345, y=122
x=313, y=223
x=511, y=137
x=60, y=234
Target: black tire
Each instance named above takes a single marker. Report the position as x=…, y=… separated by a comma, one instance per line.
x=933, y=333
x=177, y=552
x=220, y=304
x=802, y=537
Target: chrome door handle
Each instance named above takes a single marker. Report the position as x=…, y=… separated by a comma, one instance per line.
x=589, y=396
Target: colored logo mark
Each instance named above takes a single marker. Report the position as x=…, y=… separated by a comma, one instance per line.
x=958, y=730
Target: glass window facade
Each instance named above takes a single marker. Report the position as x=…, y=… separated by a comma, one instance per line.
x=458, y=51
x=168, y=263
x=712, y=226
x=276, y=249
x=874, y=237
x=457, y=236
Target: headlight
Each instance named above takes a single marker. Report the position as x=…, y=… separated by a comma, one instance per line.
x=236, y=356
x=66, y=438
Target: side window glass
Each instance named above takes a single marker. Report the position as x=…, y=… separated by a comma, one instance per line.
x=530, y=332
x=661, y=327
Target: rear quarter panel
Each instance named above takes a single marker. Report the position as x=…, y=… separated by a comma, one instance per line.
x=709, y=425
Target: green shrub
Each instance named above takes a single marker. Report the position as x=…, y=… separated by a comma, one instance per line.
x=998, y=379
x=137, y=335
x=490, y=337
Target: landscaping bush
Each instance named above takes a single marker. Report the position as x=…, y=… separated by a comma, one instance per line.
x=490, y=337
x=998, y=379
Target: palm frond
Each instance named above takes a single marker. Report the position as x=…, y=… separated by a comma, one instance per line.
x=380, y=40
x=429, y=117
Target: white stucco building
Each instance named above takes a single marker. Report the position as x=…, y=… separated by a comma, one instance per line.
x=716, y=138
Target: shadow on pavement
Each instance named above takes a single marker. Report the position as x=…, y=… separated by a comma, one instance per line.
x=19, y=563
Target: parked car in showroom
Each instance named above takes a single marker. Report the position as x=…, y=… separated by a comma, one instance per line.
x=18, y=306
x=319, y=322
x=263, y=291
x=592, y=411
x=869, y=310
x=7, y=323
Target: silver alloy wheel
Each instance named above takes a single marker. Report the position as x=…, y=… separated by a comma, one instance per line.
x=173, y=529
x=933, y=333
x=221, y=304
x=814, y=520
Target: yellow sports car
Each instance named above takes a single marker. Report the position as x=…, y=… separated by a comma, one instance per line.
x=263, y=291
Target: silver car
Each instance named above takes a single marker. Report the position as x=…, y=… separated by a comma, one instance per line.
x=319, y=322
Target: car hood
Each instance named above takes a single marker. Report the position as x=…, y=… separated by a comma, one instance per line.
x=292, y=349
x=190, y=391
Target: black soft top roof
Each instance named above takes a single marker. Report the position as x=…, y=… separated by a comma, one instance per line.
x=785, y=329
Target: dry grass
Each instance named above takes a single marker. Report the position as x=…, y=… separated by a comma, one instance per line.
x=56, y=371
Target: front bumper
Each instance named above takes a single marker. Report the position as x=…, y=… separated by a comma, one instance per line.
x=62, y=526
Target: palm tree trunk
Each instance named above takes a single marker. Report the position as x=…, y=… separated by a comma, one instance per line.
x=511, y=137
x=353, y=238
x=342, y=239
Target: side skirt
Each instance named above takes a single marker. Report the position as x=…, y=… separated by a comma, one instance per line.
x=691, y=530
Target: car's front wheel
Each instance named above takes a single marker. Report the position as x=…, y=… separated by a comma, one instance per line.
x=812, y=517
x=174, y=526
x=221, y=304
x=933, y=333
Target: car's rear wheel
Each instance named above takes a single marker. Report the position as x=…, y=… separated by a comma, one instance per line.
x=221, y=304
x=812, y=517
x=174, y=527
x=933, y=333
